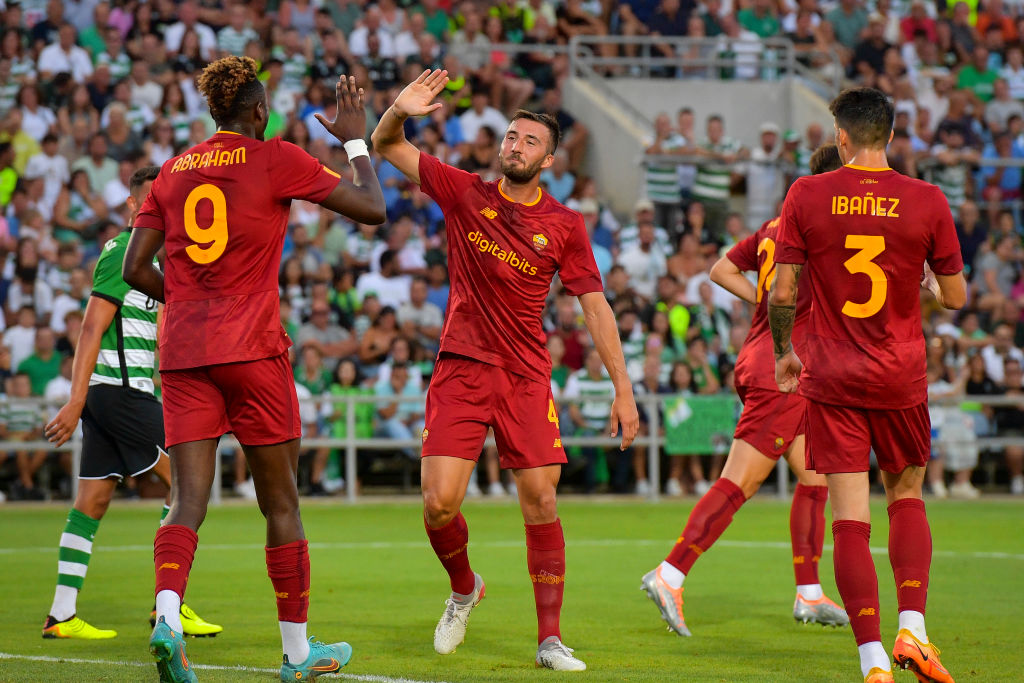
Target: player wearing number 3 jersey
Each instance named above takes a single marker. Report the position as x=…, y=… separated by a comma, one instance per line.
x=865, y=235
x=221, y=211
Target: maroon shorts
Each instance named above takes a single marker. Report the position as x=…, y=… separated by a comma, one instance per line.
x=466, y=397
x=254, y=399
x=770, y=420
x=840, y=438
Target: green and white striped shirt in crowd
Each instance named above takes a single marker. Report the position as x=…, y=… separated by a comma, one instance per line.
x=952, y=180
x=128, y=347
x=592, y=395
x=662, y=182
x=714, y=178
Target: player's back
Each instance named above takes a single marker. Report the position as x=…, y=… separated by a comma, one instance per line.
x=755, y=366
x=223, y=206
x=866, y=235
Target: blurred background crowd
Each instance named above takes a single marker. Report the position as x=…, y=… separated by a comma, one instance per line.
x=91, y=91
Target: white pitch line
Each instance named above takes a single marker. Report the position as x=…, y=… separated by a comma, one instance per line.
x=585, y=543
x=369, y=678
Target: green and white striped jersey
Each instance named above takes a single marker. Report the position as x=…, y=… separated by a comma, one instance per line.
x=714, y=177
x=128, y=347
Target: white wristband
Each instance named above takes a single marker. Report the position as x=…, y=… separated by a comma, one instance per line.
x=356, y=148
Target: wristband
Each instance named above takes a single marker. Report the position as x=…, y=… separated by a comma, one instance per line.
x=356, y=148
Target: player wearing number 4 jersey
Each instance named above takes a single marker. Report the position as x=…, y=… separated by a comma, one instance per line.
x=122, y=426
x=221, y=211
x=865, y=234
x=771, y=426
x=506, y=240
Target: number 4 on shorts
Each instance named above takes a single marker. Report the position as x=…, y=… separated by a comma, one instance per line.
x=552, y=412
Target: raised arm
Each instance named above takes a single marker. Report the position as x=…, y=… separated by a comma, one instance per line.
x=415, y=100
x=360, y=200
x=98, y=315
x=728, y=275
x=138, y=269
x=601, y=324
x=781, y=315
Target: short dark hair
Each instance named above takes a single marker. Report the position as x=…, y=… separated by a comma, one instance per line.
x=387, y=257
x=866, y=114
x=825, y=159
x=142, y=176
x=547, y=120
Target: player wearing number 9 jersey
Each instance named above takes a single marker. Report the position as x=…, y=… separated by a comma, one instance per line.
x=771, y=426
x=220, y=210
x=865, y=235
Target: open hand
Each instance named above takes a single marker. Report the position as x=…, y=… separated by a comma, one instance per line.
x=350, y=121
x=62, y=427
x=416, y=98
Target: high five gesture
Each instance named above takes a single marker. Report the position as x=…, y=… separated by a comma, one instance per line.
x=417, y=99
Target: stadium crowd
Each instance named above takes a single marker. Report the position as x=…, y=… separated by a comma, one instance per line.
x=90, y=91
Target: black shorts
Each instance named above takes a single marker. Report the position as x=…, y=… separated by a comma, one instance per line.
x=122, y=432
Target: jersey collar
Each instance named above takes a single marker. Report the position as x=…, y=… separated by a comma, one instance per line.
x=536, y=201
x=865, y=168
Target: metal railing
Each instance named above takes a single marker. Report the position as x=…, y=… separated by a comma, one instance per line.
x=720, y=57
x=351, y=445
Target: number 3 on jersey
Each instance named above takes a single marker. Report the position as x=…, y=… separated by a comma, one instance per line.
x=215, y=236
x=868, y=246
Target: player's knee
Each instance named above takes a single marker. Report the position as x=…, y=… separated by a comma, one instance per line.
x=279, y=506
x=539, y=506
x=94, y=506
x=438, y=510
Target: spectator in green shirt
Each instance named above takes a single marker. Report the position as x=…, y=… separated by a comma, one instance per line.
x=848, y=22
x=977, y=76
x=760, y=18
x=8, y=176
x=437, y=18
x=44, y=363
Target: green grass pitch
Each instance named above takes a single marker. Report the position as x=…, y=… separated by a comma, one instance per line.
x=377, y=584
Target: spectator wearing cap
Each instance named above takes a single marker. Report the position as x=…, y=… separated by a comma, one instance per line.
x=765, y=178
x=65, y=56
x=661, y=179
x=643, y=212
x=591, y=213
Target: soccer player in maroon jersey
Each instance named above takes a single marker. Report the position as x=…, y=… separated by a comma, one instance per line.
x=506, y=240
x=866, y=234
x=771, y=426
x=220, y=210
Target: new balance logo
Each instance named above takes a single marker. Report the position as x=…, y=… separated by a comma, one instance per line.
x=910, y=583
x=866, y=612
x=170, y=565
x=489, y=213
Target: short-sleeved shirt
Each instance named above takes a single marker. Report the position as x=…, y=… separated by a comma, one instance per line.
x=755, y=365
x=865, y=236
x=223, y=206
x=128, y=347
x=502, y=257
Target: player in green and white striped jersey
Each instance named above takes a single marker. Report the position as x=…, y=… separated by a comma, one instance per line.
x=122, y=421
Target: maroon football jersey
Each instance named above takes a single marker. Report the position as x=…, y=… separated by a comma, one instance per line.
x=865, y=235
x=755, y=366
x=502, y=257
x=223, y=208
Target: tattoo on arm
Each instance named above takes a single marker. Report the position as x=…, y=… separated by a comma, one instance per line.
x=781, y=318
x=797, y=269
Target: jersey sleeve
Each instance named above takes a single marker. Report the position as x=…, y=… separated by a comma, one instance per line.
x=744, y=254
x=577, y=268
x=945, y=257
x=150, y=215
x=107, y=281
x=789, y=244
x=443, y=183
x=295, y=174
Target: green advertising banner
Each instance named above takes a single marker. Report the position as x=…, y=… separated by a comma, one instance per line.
x=699, y=425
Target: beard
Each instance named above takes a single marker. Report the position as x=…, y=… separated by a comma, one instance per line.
x=519, y=173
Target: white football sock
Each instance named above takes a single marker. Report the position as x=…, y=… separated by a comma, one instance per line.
x=294, y=641
x=65, y=601
x=168, y=606
x=672, y=576
x=914, y=622
x=873, y=656
x=810, y=591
